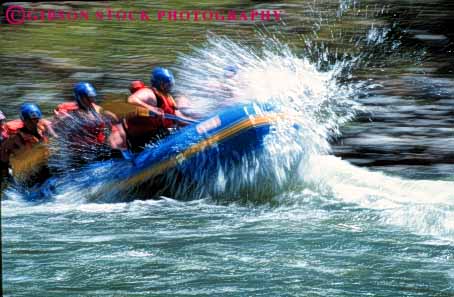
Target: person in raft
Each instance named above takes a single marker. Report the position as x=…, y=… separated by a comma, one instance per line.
x=152, y=120
x=18, y=147
x=157, y=99
x=82, y=126
x=84, y=111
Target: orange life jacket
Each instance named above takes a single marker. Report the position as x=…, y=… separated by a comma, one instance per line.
x=66, y=107
x=20, y=139
x=142, y=128
x=167, y=104
x=12, y=127
x=15, y=126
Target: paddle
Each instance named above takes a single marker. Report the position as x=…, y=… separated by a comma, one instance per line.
x=120, y=108
x=27, y=161
x=124, y=109
x=177, y=118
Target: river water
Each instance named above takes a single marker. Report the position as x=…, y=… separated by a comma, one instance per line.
x=366, y=209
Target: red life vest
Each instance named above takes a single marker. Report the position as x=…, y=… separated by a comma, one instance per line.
x=12, y=127
x=22, y=138
x=67, y=108
x=167, y=104
x=142, y=128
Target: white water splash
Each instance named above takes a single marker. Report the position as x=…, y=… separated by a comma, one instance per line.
x=315, y=98
x=423, y=206
x=271, y=74
x=274, y=75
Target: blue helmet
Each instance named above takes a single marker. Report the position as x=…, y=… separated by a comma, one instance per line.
x=30, y=111
x=84, y=89
x=161, y=76
x=230, y=71
x=231, y=68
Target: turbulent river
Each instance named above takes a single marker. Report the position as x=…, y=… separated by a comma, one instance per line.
x=357, y=202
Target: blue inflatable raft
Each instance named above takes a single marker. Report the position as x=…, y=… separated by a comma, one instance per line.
x=199, y=149
x=192, y=152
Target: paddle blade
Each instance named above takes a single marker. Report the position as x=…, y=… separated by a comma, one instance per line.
x=27, y=162
x=121, y=109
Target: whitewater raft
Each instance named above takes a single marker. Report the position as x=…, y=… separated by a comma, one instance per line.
x=193, y=151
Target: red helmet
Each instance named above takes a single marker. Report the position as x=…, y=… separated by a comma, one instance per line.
x=136, y=85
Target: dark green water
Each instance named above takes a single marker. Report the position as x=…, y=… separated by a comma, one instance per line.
x=343, y=230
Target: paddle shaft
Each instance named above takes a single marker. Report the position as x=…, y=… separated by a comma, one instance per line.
x=122, y=109
x=177, y=118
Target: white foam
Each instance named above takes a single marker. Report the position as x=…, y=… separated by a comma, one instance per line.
x=424, y=206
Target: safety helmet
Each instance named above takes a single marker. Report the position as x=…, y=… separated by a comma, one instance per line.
x=230, y=71
x=136, y=85
x=162, y=76
x=84, y=89
x=30, y=111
